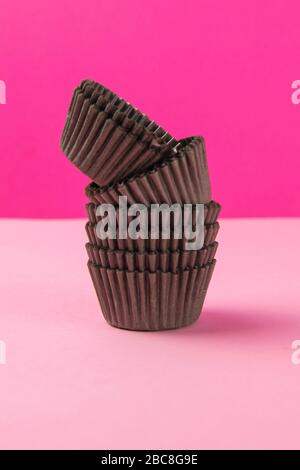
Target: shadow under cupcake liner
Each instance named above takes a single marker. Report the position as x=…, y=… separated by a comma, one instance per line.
x=151, y=261
x=151, y=301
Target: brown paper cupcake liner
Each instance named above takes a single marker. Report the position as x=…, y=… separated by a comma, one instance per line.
x=82, y=92
x=150, y=244
x=182, y=179
x=119, y=153
x=84, y=118
x=107, y=152
x=90, y=103
x=211, y=213
x=151, y=301
x=110, y=140
x=93, y=90
x=151, y=261
x=88, y=89
x=90, y=106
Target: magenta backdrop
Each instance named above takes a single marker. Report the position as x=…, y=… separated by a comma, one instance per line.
x=222, y=69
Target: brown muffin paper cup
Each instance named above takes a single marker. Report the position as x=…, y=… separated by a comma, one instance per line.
x=89, y=104
x=149, y=244
x=151, y=261
x=93, y=88
x=110, y=140
x=88, y=86
x=77, y=90
x=211, y=213
x=151, y=301
x=84, y=91
x=87, y=89
x=118, y=153
x=182, y=179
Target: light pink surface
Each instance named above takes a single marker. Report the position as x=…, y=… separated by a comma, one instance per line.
x=220, y=68
x=72, y=381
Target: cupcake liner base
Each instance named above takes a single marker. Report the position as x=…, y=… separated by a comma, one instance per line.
x=147, y=301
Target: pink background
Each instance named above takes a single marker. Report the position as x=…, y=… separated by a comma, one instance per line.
x=222, y=69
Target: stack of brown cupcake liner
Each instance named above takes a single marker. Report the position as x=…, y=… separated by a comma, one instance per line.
x=144, y=283
x=149, y=244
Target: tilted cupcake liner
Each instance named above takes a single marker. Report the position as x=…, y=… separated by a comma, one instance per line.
x=110, y=140
x=91, y=107
x=107, y=152
x=88, y=90
x=118, y=154
x=149, y=244
x=77, y=90
x=91, y=104
x=211, y=213
x=151, y=261
x=151, y=301
x=93, y=90
x=182, y=179
x=84, y=91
